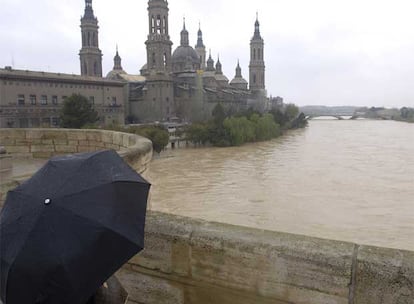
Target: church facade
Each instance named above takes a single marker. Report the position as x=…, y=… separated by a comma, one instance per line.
x=184, y=84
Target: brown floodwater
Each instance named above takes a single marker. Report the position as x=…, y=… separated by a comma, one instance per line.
x=345, y=180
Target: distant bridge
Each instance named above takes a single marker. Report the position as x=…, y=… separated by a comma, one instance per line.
x=335, y=116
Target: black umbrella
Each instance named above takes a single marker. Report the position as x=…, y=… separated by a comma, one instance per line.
x=65, y=231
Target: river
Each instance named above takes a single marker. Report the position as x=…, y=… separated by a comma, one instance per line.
x=344, y=180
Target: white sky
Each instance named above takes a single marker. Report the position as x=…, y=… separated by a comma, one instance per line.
x=331, y=52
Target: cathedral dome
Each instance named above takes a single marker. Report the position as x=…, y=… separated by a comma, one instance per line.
x=185, y=58
x=114, y=74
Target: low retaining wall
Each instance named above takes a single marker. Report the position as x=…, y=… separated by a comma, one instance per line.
x=193, y=261
x=45, y=143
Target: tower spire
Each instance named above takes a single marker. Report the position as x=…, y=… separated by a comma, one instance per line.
x=90, y=54
x=184, y=35
x=88, y=10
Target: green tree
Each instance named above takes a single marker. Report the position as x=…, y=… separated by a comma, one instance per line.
x=266, y=128
x=292, y=111
x=158, y=135
x=239, y=130
x=77, y=112
x=198, y=133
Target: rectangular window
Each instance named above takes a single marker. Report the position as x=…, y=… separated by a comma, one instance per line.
x=92, y=100
x=55, y=121
x=113, y=102
x=54, y=100
x=46, y=122
x=20, y=100
x=43, y=100
x=33, y=100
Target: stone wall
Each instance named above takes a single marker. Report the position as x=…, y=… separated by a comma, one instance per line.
x=193, y=261
x=45, y=143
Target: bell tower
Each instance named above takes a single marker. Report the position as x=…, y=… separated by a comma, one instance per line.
x=158, y=42
x=90, y=55
x=159, y=98
x=257, y=64
x=201, y=49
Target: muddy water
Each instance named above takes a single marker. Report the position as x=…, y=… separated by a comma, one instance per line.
x=345, y=180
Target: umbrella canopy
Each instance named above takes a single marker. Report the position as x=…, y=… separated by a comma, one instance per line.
x=66, y=230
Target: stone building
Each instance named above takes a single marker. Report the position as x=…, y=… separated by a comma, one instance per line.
x=182, y=84
x=172, y=85
x=34, y=99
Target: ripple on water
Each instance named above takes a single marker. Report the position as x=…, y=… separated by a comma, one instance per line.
x=346, y=180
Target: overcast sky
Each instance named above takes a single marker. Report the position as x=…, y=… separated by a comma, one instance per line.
x=330, y=52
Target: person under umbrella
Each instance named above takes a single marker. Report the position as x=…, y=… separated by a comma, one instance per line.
x=67, y=229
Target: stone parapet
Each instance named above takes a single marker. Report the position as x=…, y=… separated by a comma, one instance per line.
x=192, y=261
x=45, y=143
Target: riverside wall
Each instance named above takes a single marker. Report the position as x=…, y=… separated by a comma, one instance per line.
x=189, y=261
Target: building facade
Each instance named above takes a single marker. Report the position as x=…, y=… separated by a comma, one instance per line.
x=34, y=99
x=182, y=84
x=172, y=85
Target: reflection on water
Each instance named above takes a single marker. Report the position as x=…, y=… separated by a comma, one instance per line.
x=346, y=180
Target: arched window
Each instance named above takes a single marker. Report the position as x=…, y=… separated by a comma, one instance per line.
x=165, y=59
x=254, y=54
x=152, y=24
x=153, y=60
x=259, y=54
x=254, y=78
x=93, y=39
x=158, y=25
x=89, y=39
x=164, y=26
x=85, y=68
x=95, y=68
x=83, y=39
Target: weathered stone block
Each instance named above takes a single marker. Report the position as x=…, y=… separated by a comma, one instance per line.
x=384, y=276
x=7, y=141
x=18, y=149
x=42, y=148
x=23, y=142
x=43, y=154
x=271, y=263
x=34, y=134
x=150, y=290
x=66, y=149
x=107, y=137
x=76, y=135
x=97, y=144
x=94, y=135
x=47, y=141
x=13, y=133
x=118, y=138
x=60, y=142
x=84, y=149
x=111, y=146
x=54, y=134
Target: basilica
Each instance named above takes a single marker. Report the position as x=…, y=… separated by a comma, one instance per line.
x=184, y=83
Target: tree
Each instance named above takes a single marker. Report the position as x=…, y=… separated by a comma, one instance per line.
x=158, y=135
x=77, y=112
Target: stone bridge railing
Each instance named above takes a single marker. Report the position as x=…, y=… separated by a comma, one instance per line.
x=45, y=143
x=197, y=262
